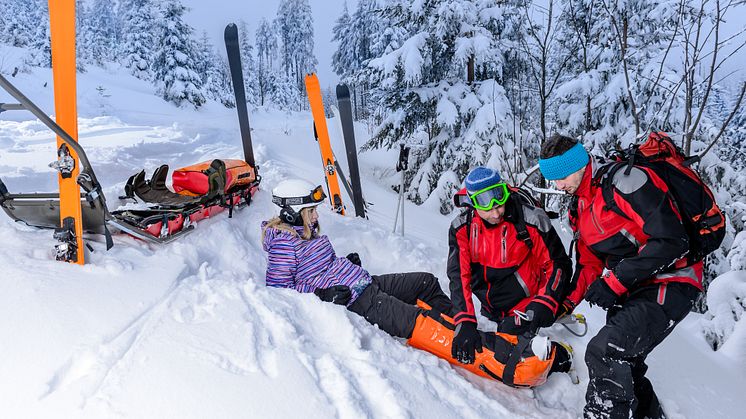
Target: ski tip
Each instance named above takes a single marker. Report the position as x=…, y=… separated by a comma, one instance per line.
x=231, y=31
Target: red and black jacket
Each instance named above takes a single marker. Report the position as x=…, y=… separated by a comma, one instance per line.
x=508, y=265
x=640, y=242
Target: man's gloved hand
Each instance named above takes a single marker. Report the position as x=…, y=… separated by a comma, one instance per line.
x=601, y=294
x=337, y=294
x=542, y=316
x=354, y=258
x=565, y=308
x=466, y=341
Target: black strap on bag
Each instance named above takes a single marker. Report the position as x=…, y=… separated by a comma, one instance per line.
x=515, y=358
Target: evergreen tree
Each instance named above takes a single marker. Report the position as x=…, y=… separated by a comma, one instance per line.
x=174, y=62
x=138, y=38
x=41, y=48
x=343, y=59
x=214, y=72
x=295, y=29
x=356, y=35
x=20, y=21
x=82, y=39
x=284, y=93
x=266, y=53
x=247, y=63
x=427, y=99
x=102, y=31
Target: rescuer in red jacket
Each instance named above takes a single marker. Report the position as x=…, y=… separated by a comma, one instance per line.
x=505, y=251
x=633, y=263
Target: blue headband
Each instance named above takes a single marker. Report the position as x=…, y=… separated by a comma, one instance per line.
x=562, y=166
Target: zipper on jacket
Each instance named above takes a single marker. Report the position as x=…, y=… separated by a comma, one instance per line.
x=489, y=288
x=595, y=221
x=504, y=256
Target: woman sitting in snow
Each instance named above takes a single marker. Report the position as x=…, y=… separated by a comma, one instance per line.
x=406, y=305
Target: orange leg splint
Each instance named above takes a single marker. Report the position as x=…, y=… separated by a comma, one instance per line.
x=435, y=336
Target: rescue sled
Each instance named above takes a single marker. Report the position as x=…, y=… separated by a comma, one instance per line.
x=153, y=212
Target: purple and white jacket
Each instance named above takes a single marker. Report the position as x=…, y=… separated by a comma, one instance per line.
x=306, y=265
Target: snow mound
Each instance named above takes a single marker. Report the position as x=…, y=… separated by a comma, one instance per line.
x=724, y=327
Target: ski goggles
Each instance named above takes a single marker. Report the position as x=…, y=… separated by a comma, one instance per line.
x=316, y=196
x=485, y=199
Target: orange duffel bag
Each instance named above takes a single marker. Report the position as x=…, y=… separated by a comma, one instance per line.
x=194, y=180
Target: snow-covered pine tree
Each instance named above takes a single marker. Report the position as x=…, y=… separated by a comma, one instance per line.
x=103, y=31
x=429, y=101
x=284, y=93
x=266, y=53
x=343, y=59
x=82, y=52
x=247, y=63
x=294, y=24
x=174, y=63
x=138, y=37
x=19, y=24
x=214, y=72
x=40, y=53
x=357, y=35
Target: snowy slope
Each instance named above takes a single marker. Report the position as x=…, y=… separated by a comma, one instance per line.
x=189, y=330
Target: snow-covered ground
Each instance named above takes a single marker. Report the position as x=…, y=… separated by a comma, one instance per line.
x=190, y=330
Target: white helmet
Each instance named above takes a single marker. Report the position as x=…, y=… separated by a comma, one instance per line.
x=297, y=194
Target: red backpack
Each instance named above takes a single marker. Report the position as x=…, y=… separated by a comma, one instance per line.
x=703, y=220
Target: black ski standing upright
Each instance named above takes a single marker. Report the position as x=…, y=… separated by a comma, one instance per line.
x=348, y=132
x=234, y=62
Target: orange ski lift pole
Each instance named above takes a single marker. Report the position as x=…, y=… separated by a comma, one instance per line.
x=62, y=34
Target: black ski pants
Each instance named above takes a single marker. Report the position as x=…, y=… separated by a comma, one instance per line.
x=616, y=356
x=390, y=301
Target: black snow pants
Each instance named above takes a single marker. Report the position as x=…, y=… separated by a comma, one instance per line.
x=390, y=301
x=616, y=356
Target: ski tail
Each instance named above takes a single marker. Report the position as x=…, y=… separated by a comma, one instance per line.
x=348, y=132
x=234, y=62
x=62, y=30
x=327, y=155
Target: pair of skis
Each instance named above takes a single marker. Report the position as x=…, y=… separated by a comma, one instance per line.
x=332, y=170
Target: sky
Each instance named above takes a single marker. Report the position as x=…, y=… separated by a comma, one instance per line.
x=212, y=16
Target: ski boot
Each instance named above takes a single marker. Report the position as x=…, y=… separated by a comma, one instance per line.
x=564, y=361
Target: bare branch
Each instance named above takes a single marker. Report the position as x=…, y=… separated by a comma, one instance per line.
x=694, y=126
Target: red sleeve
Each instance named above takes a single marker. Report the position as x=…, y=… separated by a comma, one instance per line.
x=459, y=274
x=588, y=267
x=554, y=264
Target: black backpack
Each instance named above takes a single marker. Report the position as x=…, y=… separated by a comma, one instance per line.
x=703, y=220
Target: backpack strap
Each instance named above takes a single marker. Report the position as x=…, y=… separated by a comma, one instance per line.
x=604, y=179
x=521, y=231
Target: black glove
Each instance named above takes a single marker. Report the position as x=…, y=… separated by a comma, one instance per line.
x=565, y=308
x=354, y=258
x=338, y=294
x=466, y=340
x=600, y=293
x=542, y=316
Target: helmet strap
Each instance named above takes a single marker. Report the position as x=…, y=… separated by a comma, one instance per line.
x=290, y=216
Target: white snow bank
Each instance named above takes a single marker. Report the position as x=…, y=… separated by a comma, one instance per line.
x=724, y=327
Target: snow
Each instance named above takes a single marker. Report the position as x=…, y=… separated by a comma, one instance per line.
x=189, y=330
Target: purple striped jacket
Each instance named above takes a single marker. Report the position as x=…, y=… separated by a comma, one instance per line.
x=306, y=265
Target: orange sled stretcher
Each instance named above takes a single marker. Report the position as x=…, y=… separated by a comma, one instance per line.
x=504, y=357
